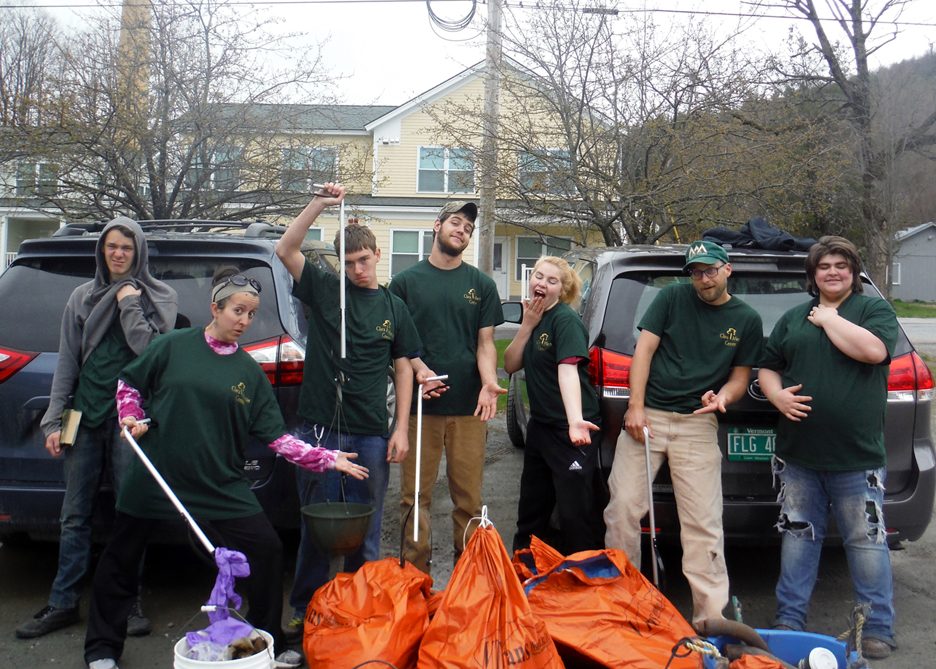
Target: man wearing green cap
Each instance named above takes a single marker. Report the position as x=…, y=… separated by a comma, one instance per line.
x=694, y=356
x=455, y=307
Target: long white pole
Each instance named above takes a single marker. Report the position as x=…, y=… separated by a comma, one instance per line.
x=341, y=274
x=419, y=400
x=176, y=502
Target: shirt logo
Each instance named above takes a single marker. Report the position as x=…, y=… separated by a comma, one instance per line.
x=543, y=342
x=385, y=330
x=240, y=391
x=472, y=297
x=731, y=337
x=575, y=466
x=695, y=250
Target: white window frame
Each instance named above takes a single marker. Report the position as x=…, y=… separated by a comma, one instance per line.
x=446, y=169
x=895, y=274
x=291, y=157
x=543, y=251
x=212, y=182
x=36, y=185
x=425, y=244
x=552, y=151
x=320, y=230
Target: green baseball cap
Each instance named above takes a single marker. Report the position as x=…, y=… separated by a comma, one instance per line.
x=469, y=208
x=707, y=253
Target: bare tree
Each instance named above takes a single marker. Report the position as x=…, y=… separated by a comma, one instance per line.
x=847, y=81
x=27, y=59
x=180, y=110
x=639, y=133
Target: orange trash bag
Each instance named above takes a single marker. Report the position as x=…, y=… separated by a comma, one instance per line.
x=598, y=605
x=539, y=558
x=484, y=620
x=380, y=612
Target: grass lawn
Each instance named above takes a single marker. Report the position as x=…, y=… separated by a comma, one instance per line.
x=915, y=309
x=501, y=345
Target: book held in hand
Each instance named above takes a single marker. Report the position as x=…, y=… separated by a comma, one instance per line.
x=70, y=421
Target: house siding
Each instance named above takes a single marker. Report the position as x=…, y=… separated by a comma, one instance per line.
x=917, y=259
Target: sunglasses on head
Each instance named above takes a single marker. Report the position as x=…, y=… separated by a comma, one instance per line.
x=241, y=280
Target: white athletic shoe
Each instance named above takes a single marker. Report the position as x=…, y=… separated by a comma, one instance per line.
x=106, y=663
x=287, y=659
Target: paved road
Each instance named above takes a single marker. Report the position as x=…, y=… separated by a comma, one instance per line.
x=922, y=334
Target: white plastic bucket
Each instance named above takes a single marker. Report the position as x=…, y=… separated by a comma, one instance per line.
x=262, y=660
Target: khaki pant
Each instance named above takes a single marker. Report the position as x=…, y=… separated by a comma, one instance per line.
x=462, y=438
x=690, y=444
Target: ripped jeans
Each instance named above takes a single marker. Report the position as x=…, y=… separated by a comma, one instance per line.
x=856, y=499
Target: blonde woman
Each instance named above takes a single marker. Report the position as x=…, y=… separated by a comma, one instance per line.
x=560, y=462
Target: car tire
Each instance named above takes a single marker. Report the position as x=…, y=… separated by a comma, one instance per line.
x=514, y=429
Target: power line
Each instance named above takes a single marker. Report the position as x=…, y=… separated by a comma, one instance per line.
x=532, y=5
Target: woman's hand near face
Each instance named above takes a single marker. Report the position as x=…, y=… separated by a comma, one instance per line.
x=343, y=464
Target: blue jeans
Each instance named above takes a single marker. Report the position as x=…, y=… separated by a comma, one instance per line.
x=856, y=499
x=312, y=566
x=97, y=451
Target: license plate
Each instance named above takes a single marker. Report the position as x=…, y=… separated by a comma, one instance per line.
x=748, y=444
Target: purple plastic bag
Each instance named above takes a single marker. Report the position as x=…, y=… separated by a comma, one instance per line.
x=224, y=629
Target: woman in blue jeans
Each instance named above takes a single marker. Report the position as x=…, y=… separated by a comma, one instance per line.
x=825, y=368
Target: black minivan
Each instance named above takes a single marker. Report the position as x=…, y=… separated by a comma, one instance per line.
x=620, y=283
x=186, y=255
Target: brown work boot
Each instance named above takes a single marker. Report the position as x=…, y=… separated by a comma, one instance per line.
x=875, y=649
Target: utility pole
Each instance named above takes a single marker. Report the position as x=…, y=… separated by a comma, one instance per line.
x=488, y=158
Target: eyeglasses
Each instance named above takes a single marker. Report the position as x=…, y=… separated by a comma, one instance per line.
x=710, y=272
x=241, y=280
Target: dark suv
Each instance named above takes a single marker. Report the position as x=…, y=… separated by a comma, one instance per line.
x=620, y=283
x=184, y=254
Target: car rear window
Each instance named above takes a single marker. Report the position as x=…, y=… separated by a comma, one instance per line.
x=34, y=293
x=771, y=294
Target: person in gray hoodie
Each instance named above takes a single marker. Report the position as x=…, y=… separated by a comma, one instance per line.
x=107, y=323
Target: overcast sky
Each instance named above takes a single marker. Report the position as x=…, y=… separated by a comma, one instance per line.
x=393, y=53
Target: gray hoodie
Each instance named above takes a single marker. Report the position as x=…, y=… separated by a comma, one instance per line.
x=91, y=310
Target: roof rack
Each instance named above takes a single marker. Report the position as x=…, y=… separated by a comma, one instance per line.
x=78, y=229
x=250, y=228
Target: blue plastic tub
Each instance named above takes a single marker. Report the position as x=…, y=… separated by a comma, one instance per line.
x=791, y=646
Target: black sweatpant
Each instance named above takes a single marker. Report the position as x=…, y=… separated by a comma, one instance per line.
x=559, y=475
x=117, y=576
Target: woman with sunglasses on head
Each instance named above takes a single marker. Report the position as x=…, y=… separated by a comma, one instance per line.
x=560, y=462
x=207, y=398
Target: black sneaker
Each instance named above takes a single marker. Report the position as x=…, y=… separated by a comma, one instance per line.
x=137, y=623
x=47, y=620
x=294, y=629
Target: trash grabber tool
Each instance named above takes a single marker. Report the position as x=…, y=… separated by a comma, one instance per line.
x=166, y=489
x=419, y=400
x=659, y=573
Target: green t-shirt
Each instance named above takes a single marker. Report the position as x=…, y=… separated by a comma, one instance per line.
x=379, y=331
x=844, y=430
x=204, y=407
x=96, y=394
x=449, y=307
x=560, y=334
x=699, y=344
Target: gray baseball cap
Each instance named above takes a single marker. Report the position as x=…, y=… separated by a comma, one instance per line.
x=469, y=208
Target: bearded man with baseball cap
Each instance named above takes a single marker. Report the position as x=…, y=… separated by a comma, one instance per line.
x=693, y=358
x=455, y=307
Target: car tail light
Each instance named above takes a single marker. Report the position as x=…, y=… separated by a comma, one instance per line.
x=610, y=371
x=909, y=380
x=12, y=361
x=281, y=359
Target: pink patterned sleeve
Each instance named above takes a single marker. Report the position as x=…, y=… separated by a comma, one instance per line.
x=305, y=455
x=128, y=402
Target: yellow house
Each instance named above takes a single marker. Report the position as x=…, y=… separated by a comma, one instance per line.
x=416, y=170
x=401, y=165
